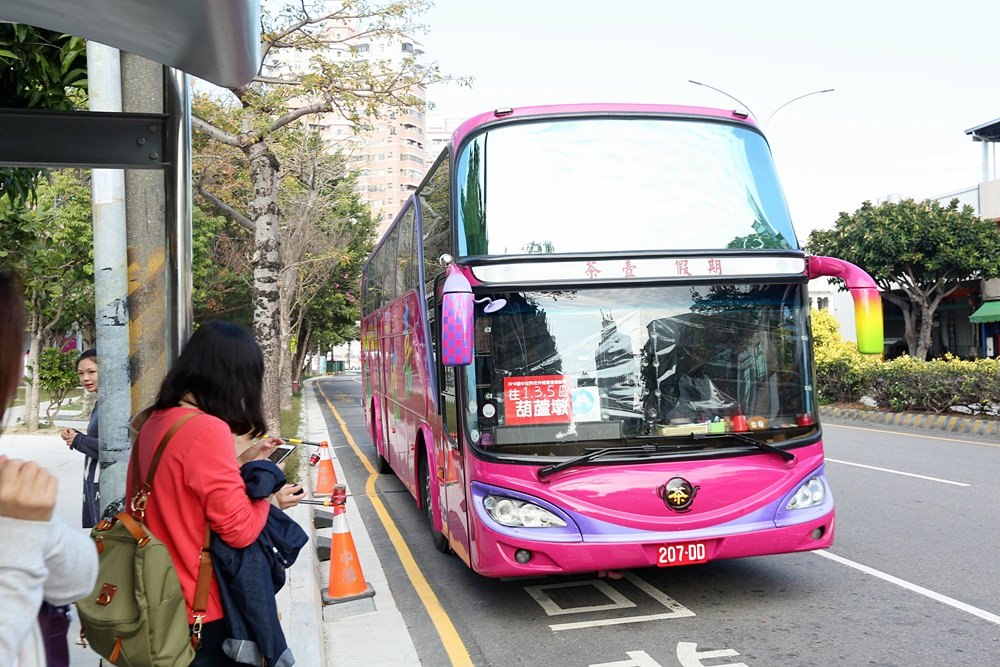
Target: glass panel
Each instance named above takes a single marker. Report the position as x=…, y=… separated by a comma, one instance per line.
x=405, y=276
x=435, y=212
x=562, y=186
x=556, y=371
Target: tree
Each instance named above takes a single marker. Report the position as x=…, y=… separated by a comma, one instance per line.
x=239, y=135
x=923, y=249
x=327, y=236
x=57, y=375
x=221, y=273
x=38, y=69
x=50, y=245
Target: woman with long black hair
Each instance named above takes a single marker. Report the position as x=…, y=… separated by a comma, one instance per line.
x=218, y=379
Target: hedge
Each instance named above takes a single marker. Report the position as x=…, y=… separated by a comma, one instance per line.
x=843, y=375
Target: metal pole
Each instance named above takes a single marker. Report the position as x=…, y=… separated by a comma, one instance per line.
x=110, y=289
x=180, y=314
x=718, y=90
x=986, y=161
x=815, y=92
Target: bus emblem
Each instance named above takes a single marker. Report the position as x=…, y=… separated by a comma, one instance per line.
x=677, y=494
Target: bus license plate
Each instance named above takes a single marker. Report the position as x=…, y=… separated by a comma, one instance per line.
x=686, y=553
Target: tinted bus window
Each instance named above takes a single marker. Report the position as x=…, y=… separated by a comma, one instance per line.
x=562, y=185
x=435, y=214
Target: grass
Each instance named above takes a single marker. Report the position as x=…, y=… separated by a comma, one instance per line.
x=290, y=420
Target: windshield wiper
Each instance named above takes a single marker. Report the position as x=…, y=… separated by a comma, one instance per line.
x=767, y=447
x=595, y=454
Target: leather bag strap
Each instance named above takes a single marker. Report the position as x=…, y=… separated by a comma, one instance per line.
x=204, y=582
x=160, y=448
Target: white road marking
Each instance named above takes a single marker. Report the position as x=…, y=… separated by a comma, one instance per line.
x=902, y=583
x=636, y=659
x=552, y=608
x=690, y=656
x=898, y=472
x=618, y=601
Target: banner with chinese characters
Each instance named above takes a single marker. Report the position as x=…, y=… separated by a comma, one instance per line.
x=536, y=399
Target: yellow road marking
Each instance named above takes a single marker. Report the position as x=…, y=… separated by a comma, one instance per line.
x=907, y=434
x=453, y=644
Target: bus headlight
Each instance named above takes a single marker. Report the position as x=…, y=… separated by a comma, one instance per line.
x=510, y=512
x=810, y=494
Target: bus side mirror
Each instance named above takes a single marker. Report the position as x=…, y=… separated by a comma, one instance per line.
x=456, y=318
x=864, y=291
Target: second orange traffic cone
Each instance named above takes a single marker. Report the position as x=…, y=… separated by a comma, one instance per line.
x=347, y=582
x=326, y=478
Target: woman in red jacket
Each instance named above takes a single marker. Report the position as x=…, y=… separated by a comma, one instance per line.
x=219, y=377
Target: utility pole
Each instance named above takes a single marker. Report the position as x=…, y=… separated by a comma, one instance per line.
x=145, y=206
x=110, y=289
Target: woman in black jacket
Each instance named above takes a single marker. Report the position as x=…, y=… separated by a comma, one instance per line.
x=88, y=443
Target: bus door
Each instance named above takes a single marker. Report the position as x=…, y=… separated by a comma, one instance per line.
x=386, y=398
x=450, y=459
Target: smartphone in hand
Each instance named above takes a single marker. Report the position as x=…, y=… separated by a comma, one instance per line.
x=280, y=453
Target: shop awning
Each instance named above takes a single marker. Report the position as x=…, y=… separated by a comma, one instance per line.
x=988, y=312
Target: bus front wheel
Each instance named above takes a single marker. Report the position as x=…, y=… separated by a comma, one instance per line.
x=439, y=540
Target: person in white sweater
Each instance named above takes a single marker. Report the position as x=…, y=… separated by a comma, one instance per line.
x=41, y=558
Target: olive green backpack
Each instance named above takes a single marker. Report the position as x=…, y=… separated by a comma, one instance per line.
x=136, y=616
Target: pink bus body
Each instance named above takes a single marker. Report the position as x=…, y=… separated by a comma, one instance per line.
x=595, y=354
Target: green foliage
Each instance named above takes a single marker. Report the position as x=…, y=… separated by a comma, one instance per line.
x=51, y=246
x=290, y=422
x=221, y=272
x=38, y=69
x=917, y=252
x=908, y=384
x=913, y=243
x=841, y=371
x=843, y=375
x=57, y=375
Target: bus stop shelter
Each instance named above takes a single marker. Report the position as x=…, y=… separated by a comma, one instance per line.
x=217, y=41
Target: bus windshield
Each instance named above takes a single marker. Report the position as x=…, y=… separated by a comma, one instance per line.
x=562, y=185
x=557, y=372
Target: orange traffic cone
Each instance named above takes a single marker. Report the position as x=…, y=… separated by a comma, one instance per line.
x=347, y=582
x=451, y=467
x=326, y=478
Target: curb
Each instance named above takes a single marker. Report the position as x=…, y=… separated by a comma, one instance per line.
x=368, y=631
x=950, y=424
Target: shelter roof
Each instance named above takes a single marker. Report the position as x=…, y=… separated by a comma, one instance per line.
x=215, y=40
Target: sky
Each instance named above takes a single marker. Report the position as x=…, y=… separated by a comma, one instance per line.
x=908, y=77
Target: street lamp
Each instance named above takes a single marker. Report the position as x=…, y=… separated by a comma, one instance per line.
x=699, y=83
x=815, y=92
x=764, y=126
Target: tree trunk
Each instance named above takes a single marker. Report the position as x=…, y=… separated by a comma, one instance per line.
x=266, y=265
x=32, y=395
x=285, y=357
x=926, y=328
x=34, y=385
x=300, y=355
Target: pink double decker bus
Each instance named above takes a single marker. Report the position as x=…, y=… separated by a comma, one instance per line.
x=586, y=344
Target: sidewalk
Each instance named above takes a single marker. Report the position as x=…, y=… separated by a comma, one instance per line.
x=370, y=631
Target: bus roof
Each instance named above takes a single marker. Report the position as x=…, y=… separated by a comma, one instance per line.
x=503, y=113
x=215, y=40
